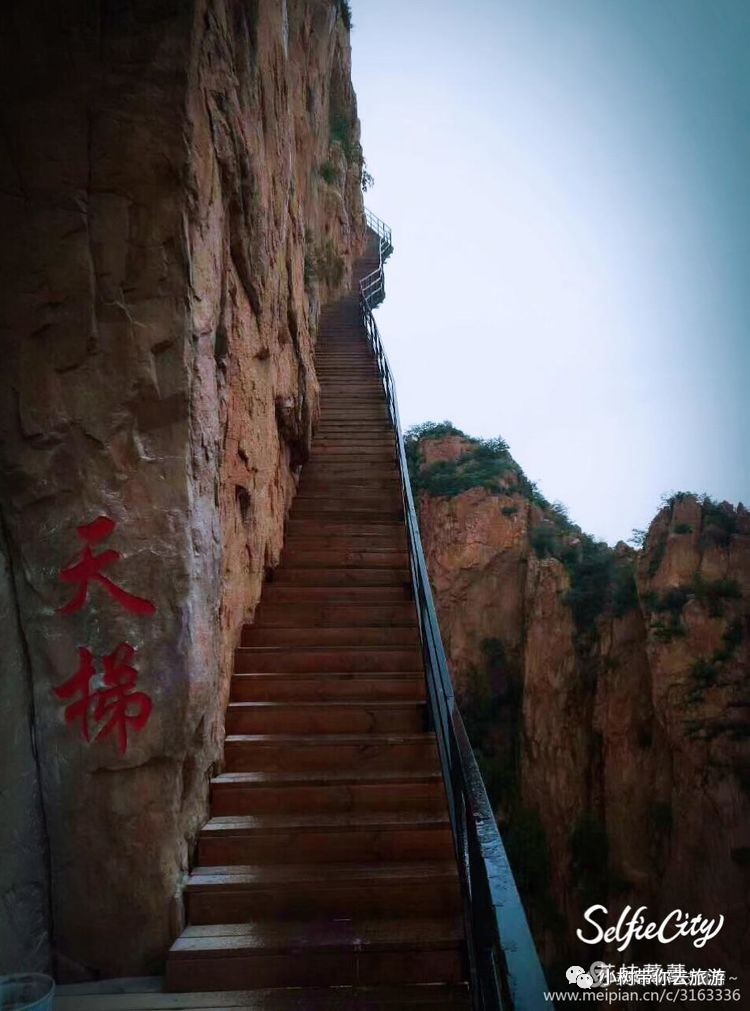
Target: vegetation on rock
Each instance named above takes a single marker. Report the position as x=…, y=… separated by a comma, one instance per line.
x=565, y=707
x=486, y=463
x=345, y=10
x=323, y=263
x=599, y=579
x=329, y=173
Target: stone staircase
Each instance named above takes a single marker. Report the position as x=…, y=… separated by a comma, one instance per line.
x=328, y=859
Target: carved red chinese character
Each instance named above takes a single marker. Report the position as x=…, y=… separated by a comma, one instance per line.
x=118, y=704
x=117, y=707
x=79, y=684
x=91, y=569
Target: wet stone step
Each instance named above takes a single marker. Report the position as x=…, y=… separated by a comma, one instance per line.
x=329, y=790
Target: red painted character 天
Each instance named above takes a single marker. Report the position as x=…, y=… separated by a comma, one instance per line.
x=91, y=568
x=117, y=707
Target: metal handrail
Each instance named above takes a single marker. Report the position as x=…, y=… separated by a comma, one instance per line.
x=372, y=286
x=504, y=968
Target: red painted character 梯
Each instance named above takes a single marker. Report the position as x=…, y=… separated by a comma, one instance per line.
x=116, y=707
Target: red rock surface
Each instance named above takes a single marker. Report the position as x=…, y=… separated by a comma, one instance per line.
x=614, y=726
x=160, y=193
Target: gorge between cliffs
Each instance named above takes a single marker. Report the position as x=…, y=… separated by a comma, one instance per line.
x=605, y=694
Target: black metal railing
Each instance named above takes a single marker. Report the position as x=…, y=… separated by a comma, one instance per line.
x=504, y=967
x=372, y=287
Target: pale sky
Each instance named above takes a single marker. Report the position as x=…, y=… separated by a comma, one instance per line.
x=568, y=184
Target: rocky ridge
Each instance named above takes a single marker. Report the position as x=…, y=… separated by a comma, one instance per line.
x=605, y=691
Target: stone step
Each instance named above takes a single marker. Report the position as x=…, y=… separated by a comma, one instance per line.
x=340, y=479
x=333, y=354
x=378, y=687
x=354, y=427
x=331, y=511
x=147, y=994
x=325, y=838
x=333, y=615
x=342, y=577
x=374, y=445
x=385, y=540
x=344, y=558
x=347, y=393
x=327, y=466
x=355, y=753
x=333, y=528
x=240, y=893
x=372, y=501
x=337, y=375
x=326, y=659
x=274, y=593
x=352, y=470
x=364, y=413
x=321, y=635
x=339, y=717
x=341, y=367
x=330, y=790
x=354, y=450
x=350, y=384
x=315, y=954
x=366, y=431
x=368, y=436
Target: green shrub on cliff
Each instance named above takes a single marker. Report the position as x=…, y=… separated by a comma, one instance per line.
x=591, y=572
x=657, y=554
x=705, y=671
x=713, y=593
x=345, y=10
x=544, y=541
x=479, y=467
x=329, y=173
x=718, y=524
x=624, y=589
x=666, y=609
x=432, y=430
x=485, y=463
x=453, y=477
x=342, y=133
x=719, y=521
x=599, y=579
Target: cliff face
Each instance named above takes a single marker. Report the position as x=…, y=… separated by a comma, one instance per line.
x=606, y=692
x=180, y=191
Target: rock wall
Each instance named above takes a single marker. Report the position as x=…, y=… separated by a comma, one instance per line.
x=607, y=693
x=180, y=189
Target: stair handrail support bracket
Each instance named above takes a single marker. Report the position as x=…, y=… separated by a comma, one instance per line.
x=504, y=967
